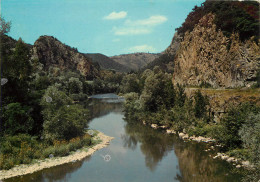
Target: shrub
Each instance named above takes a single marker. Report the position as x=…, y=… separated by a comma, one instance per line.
x=228, y=133
x=250, y=135
x=16, y=119
x=68, y=122
x=200, y=104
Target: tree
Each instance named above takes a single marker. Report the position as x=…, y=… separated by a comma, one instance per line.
x=16, y=119
x=75, y=86
x=250, y=135
x=68, y=122
x=4, y=26
x=16, y=67
x=200, y=104
x=62, y=119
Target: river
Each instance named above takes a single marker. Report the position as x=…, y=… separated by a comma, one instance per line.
x=137, y=154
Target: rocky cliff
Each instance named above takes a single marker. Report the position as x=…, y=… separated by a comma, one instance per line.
x=52, y=53
x=206, y=55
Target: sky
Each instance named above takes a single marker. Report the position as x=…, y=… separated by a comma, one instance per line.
x=110, y=27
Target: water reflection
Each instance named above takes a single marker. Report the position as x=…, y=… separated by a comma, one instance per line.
x=138, y=153
x=99, y=108
x=153, y=144
x=194, y=163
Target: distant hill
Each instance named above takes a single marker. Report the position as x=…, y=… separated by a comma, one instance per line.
x=135, y=61
x=107, y=63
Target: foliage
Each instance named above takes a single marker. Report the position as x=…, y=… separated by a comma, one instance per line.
x=23, y=149
x=4, y=26
x=16, y=67
x=228, y=133
x=241, y=17
x=132, y=106
x=180, y=96
x=164, y=61
x=158, y=91
x=250, y=135
x=130, y=83
x=75, y=86
x=200, y=104
x=17, y=119
x=62, y=119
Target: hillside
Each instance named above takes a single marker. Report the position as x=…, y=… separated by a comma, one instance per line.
x=107, y=63
x=135, y=61
x=52, y=53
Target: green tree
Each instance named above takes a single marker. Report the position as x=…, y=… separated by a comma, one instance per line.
x=180, y=95
x=62, y=119
x=16, y=67
x=75, y=86
x=232, y=122
x=4, y=26
x=250, y=135
x=68, y=122
x=16, y=119
x=200, y=104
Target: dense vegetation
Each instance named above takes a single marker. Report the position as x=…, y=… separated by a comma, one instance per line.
x=231, y=16
x=152, y=99
x=42, y=113
x=164, y=61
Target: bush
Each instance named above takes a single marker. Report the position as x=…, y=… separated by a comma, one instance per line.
x=250, y=135
x=16, y=119
x=200, y=104
x=68, y=122
x=228, y=132
x=22, y=149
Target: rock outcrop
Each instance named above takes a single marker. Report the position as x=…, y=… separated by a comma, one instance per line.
x=52, y=53
x=207, y=56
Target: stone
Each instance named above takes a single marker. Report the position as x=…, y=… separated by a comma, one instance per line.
x=155, y=126
x=246, y=163
x=224, y=157
x=230, y=159
x=181, y=135
x=238, y=166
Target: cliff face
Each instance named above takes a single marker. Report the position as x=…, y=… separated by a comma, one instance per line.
x=52, y=53
x=206, y=55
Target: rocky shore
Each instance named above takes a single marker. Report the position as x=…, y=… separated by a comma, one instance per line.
x=236, y=162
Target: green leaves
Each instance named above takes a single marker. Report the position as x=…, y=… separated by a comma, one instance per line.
x=17, y=119
x=63, y=120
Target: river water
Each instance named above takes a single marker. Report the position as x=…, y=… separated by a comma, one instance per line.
x=137, y=154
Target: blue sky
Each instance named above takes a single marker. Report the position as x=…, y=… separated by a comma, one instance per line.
x=111, y=27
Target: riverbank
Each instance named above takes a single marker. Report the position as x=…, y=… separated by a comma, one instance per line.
x=47, y=163
x=223, y=156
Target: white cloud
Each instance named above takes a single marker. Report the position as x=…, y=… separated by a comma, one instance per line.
x=131, y=31
x=151, y=21
x=142, y=26
x=115, y=16
x=142, y=48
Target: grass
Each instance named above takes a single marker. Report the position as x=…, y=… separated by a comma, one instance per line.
x=24, y=149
